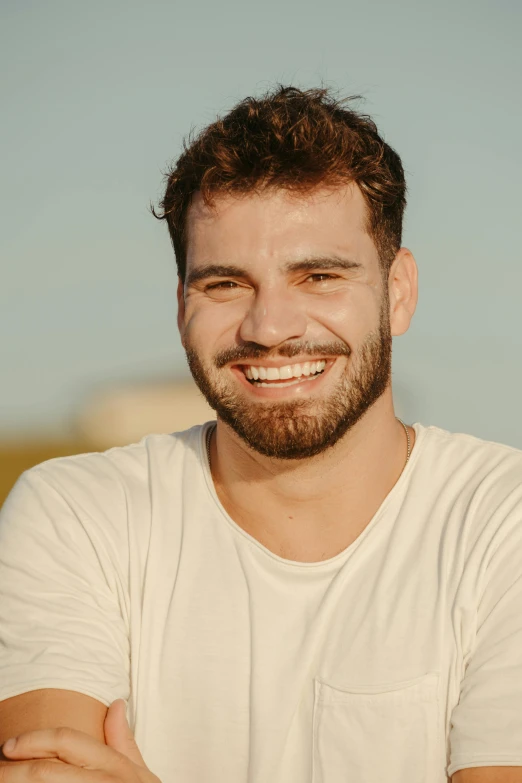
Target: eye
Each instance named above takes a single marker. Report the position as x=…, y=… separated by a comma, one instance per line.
x=224, y=284
x=226, y=290
x=319, y=277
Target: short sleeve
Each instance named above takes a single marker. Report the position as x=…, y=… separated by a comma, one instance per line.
x=62, y=617
x=486, y=725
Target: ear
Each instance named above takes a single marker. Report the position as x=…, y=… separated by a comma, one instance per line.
x=403, y=291
x=181, y=311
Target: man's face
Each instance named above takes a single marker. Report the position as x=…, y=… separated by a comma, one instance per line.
x=285, y=318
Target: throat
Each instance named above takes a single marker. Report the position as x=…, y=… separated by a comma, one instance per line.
x=312, y=537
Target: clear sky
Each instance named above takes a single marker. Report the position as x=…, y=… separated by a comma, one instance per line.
x=96, y=99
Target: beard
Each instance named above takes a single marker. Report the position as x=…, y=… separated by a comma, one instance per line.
x=298, y=429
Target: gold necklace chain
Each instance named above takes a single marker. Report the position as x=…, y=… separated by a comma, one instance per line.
x=208, y=439
x=407, y=440
x=211, y=430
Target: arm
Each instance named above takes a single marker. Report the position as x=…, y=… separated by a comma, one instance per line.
x=64, y=642
x=49, y=708
x=116, y=755
x=488, y=775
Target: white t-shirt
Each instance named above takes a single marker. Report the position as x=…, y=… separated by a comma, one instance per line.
x=398, y=660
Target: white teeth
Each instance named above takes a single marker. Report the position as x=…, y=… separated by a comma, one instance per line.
x=254, y=372
x=285, y=383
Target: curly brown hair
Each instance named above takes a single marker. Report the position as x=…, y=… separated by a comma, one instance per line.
x=292, y=139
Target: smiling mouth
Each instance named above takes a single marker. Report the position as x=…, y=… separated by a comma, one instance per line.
x=289, y=375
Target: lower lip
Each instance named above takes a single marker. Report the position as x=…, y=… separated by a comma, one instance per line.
x=278, y=392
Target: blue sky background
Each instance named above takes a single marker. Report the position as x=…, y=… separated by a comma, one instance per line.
x=96, y=99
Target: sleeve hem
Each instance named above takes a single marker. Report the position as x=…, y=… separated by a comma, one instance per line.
x=501, y=760
x=17, y=690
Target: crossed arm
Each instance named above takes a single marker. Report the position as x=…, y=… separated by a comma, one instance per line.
x=47, y=708
x=95, y=742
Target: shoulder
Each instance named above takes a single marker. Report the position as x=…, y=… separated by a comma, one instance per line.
x=96, y=499
x=120, y=468
x=468, y=463
x=103, y=489
x=474, y=487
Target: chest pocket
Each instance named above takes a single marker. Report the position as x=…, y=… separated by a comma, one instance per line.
x=372, y=734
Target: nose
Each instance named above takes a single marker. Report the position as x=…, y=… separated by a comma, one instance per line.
x=273, y=317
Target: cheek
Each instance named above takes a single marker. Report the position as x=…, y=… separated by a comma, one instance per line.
x=212, y=324
x=350, y=318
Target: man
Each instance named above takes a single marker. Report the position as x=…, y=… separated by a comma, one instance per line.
x=309, y=590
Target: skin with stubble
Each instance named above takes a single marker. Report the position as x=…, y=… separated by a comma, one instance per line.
x=272, y=280
x=299, y=428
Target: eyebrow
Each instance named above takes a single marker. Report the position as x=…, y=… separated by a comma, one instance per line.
x=305, y=265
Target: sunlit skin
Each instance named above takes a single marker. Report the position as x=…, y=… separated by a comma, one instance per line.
x=301, y=509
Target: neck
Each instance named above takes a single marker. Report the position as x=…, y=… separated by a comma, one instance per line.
x=285, y=498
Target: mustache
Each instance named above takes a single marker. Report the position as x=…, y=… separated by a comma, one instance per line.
x=241, y=353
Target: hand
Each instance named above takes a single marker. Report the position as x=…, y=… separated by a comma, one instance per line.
x=89, y=760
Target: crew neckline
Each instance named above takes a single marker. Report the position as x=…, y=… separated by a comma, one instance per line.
x=420, y=433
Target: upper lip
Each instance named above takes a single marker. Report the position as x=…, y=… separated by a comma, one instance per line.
x=283, y=362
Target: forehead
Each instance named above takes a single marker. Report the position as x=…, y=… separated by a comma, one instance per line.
x=277, y=224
